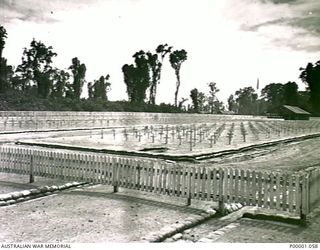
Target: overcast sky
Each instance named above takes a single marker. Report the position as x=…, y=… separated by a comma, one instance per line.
x=230, y=42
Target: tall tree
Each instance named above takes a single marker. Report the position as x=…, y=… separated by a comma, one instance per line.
x=232, y=104
x=3, y=36
x=90, y=90
x=78, y=70
x=290, y=93
x=246, y=99
x=36, y=67
x=311, y=76
x=177, y=57
x=304, y=100
x=212, y=98
x=6, y=74
x=137, y=78
x=218, y=107
x=201, y=101
x=6, y=71
x=155, y=62
x=61, y=80
x=194, y=97
x=273, y=94
x=101, y=87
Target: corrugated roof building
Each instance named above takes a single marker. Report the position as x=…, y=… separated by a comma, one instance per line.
x=294, y=113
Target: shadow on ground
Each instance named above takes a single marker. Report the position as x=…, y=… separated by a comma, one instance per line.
x=130, y=199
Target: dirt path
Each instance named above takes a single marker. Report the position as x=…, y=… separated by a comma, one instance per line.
x=92, y=215
x=262, y=231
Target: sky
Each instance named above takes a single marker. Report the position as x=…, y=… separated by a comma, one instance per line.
x=229, y=42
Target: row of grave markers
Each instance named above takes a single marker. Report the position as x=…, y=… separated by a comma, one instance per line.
x=210, y=133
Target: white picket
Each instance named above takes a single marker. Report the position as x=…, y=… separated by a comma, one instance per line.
x=248, y=187
x=174, y=180
x=236, y=185
x=78, y=167
x=193, y=182
x=203, y=182
x=266, y=184
x=291, y=192
x=254, y=188
x=208, y=184
x=284, y=192
x=197, y=183
x=272, y=190
x=165, y=179
x=231, y=185
x=242, y=186
x=278, y=191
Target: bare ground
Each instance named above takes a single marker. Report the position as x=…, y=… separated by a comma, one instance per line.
x=91, y=215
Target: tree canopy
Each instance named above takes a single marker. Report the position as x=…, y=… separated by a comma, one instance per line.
x=6, y=71
x=78, y=70
x=246, y=101
x=3, y=36
x=177, y=57
x=137, y=78
x=36, y=67
x=155, y=62
x=311, y=76
x=100, y=88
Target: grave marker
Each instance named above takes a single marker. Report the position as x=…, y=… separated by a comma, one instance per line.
x=139, y=136
x=152, y=136
x=179, y=138
x=114, y=134
x=211, y=140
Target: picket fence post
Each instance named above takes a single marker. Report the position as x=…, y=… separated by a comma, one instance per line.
x=221, y=192
x=304, y=186
x=189, y=188
x=114, y=175
x=31, y=177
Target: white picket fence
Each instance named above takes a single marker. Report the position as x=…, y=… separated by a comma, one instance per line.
x=297, y=193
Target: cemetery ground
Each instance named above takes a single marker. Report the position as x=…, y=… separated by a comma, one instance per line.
x=92, y=214
x=96, y=214
x=178, y=140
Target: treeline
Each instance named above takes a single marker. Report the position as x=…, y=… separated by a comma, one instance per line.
x=275, y=95
x=36, y=85
x=35, y=77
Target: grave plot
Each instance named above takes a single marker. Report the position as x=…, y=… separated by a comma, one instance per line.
x=12, y=121
x=183, y=139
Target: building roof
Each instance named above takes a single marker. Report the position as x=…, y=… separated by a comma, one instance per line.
x=296, y=110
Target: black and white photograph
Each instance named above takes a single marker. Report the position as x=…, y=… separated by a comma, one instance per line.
x=159, y=124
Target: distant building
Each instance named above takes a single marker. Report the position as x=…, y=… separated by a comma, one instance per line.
x=294, y=113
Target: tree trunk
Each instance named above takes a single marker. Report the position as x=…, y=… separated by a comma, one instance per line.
x=152, y=94
x=177, y=89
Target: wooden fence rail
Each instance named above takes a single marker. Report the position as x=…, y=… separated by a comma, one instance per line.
x=295, y=193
